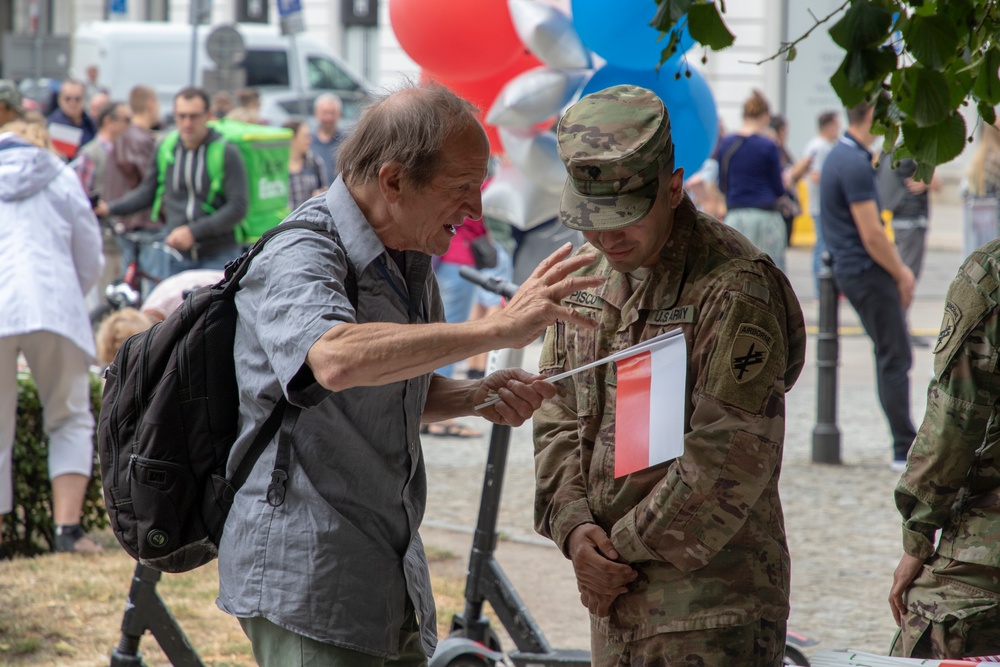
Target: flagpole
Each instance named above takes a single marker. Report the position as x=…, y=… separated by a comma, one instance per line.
x=655, y=341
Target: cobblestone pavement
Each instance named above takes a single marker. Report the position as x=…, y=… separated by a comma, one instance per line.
x=843, y=529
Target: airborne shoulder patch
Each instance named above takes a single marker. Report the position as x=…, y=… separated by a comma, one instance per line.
x=749, y=352
x=952, y=316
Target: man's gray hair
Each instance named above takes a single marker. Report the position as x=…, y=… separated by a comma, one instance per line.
x=410, y=127
x=328, y=97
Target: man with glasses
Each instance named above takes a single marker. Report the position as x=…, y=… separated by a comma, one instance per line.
x=69, y=125
x=199, y=202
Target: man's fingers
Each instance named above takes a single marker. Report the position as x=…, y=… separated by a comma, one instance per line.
x=560, y=254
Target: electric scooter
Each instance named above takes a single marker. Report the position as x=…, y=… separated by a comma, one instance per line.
x=471, y=641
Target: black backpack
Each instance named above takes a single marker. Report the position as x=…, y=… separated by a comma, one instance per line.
x=169, y=419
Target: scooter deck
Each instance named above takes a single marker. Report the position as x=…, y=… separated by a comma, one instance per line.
x=561, y=657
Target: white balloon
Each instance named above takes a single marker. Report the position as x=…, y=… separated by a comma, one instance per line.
x=549, y=34
x=535, y=96
x=514, y=198
x=536, y=155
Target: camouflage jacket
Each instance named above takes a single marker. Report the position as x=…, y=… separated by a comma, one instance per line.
x=952, y=478
x=704, y=531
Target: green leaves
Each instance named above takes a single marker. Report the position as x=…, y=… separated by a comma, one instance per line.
x=987, y=86
x=923, y=95
x=932, y=40
x=922, y=60
x=936, y=144
x=864, y=25
x=707, y=26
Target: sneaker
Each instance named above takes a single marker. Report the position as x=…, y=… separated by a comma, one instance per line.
x=72, y=539
x=898, y=465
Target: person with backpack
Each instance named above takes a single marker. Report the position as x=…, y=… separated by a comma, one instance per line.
x=320, y=558
x=197, y=185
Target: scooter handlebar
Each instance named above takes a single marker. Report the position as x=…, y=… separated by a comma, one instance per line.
x=493, y=284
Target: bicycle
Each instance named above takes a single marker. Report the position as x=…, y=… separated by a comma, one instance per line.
x=126, y=291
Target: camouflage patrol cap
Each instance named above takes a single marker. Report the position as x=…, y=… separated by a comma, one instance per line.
x=614, y=144
x=10, y=96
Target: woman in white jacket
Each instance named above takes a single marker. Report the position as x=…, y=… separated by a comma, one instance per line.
x=50, y=256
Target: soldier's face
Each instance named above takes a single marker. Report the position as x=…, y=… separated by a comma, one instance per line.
x=640, y=244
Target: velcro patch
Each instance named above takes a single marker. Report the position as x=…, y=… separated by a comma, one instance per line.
x=679, y=315
x=952, y=316
x=749, y=352
x=585, y=298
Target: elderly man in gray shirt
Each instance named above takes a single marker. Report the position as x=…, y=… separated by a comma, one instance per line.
x=336, y=574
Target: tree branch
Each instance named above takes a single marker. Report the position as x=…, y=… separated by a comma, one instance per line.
x=788, y=46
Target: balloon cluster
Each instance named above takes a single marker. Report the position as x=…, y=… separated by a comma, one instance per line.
x=524, y=61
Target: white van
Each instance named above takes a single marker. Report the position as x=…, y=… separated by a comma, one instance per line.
x=158, y=54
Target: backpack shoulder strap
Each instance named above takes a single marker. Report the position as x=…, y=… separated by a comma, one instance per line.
x=724, y=163
x=215, y=161
x=164, y=158
x=284, y=415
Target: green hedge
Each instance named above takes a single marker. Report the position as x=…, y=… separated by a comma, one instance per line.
x=29, y=529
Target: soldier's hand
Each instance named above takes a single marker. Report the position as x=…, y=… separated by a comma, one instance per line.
x=538, y=302
x=520, y=393
x=596, y=604
x=594, y=560
x=907, y=570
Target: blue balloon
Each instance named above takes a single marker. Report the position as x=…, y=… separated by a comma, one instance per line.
x=694, y=119
x=620, y=33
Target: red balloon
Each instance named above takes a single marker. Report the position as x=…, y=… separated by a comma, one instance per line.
x=482, y=92
x=458, y=39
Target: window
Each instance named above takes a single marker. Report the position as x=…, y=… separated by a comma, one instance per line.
x=266, y=68
x=324, y=74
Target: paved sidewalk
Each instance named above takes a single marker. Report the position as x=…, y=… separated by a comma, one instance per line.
x=843, y=529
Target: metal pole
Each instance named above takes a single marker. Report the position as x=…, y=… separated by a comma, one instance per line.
x=826, y=434
x=300, y=76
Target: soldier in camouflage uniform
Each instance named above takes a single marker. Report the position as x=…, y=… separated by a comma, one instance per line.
x=947, y=599
x=683, y=563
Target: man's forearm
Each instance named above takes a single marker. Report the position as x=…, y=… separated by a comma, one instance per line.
x=378, y=353
x=136, y=200
x=882, y=250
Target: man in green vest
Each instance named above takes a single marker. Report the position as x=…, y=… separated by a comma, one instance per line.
x=197, y=186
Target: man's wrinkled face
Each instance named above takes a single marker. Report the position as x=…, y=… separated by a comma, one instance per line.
x=431, y=213
x=640, y=243
x=71, y=100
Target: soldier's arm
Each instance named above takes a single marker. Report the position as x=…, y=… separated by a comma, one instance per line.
x=235, y=199
x=961, y=398
x=734, y=444
x=560, y=494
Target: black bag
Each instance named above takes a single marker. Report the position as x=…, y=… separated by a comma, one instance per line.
x=484, y=253
x=169, y=420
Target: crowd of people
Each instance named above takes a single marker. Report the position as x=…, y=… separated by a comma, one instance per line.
x=688, y=557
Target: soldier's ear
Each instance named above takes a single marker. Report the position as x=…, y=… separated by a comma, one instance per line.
x=676, y=187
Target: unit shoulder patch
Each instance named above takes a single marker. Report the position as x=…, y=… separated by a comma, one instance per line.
x=952, y=316
x=749, y=352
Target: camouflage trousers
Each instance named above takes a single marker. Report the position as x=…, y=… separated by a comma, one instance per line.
x=949, y=617
x=758, y=644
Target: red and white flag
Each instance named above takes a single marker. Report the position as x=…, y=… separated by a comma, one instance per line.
x=65, y=139
x=649, y=412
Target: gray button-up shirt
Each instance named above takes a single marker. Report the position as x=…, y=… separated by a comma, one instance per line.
x=338, y=559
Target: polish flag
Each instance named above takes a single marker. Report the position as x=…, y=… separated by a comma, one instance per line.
x=649, y=418
x=65, y=139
